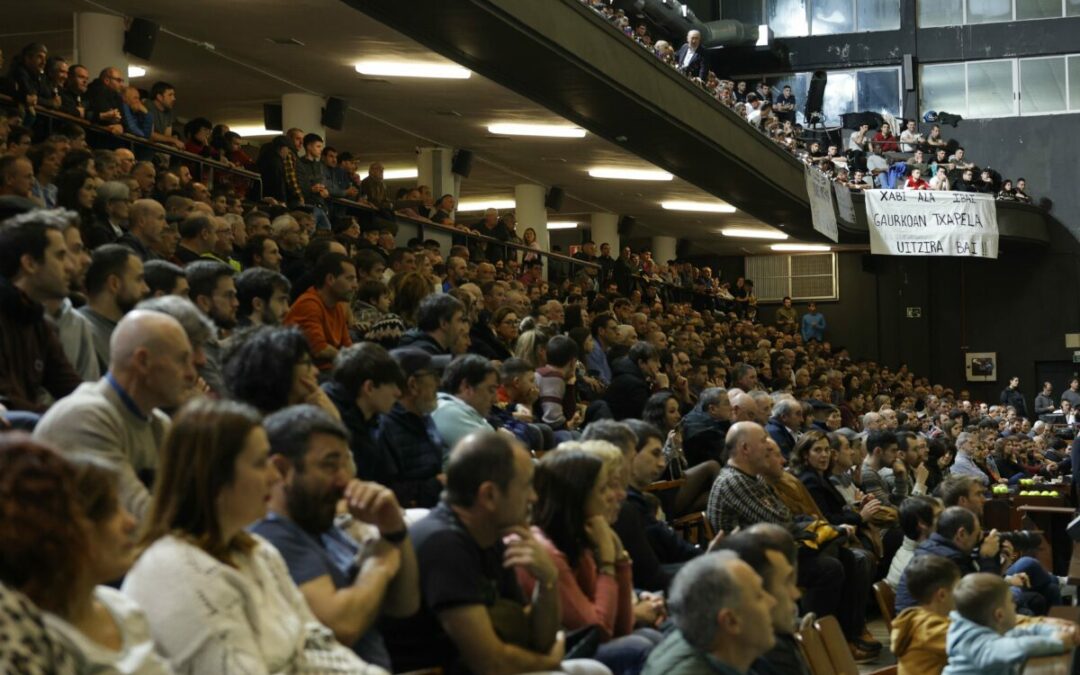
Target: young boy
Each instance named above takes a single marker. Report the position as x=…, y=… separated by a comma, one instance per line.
x=918, y=633
x=983, y=638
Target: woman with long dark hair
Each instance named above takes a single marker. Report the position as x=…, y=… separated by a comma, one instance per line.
x=576, y=502
x=812, y=461
x=220, y=599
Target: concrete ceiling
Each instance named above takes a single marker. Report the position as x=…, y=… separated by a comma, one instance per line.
x=387, y=119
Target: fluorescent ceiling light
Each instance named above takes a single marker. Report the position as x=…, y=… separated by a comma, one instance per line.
x=562, y=224
x=706, y=207
x=748, y=233
x=629, y=174
x=550, y=130
x=799, y=247
x=393, y=174
x=444, y=71
x=485, y=204
x=252, y=130
x=135, y=71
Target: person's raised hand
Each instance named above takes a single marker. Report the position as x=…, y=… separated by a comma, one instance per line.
x=372, y=503
x=523, y=550
x=991, y=545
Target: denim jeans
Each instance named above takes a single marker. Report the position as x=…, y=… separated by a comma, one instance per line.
x=626, y=655
x=1045, y=590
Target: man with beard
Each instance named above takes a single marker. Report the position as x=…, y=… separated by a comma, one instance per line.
x=321, y=311
x=408, y=442
x=213, y=290
x=73, y=329
x=114, y=285
x=263, y=296
x=351, y=570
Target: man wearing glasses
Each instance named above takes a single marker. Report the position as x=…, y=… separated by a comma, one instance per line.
x=104, y=101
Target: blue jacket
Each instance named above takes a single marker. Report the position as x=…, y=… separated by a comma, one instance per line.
x=813, y=327
x=974, y=649
x=415, y=454
x=939, y=545
x=781, y=435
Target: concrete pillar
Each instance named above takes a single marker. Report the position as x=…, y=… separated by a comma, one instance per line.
x=433, y=170
x=530, y=211
x=605, y=230
x=663, y=249
x=303, y=111
x=99, y=42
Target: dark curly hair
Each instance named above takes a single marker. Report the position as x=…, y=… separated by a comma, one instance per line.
x=42, y=542
x=259, y=365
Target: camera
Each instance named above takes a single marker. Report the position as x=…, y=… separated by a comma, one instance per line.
x=1022, y=540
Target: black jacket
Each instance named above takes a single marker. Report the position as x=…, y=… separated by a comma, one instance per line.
x=832, y=504
x=414, y=454
x=99, y=99
x=628, y=391
x=939, y=545
x=703, y=437
x=651, y=544
x=372, y=463
x=1014, y=398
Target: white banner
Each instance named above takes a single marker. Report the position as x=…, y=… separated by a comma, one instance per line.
x=844, y=208
x=925, y=222
x=819, y=188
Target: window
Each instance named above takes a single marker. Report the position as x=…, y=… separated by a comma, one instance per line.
x=1043, y=87
x=933, y=13
x=1002, y=88
x=941, y=13
x=803, y=276
x=876, y=89
x=799, y=18
x=990, y=89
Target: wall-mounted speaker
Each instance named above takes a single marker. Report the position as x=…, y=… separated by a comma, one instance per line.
x=554, y=199
x=909, y=72
x=272, y=117
x=140, y=37
x=462, y=164
x=626, y=223
x=815, y=96
x=333, y=116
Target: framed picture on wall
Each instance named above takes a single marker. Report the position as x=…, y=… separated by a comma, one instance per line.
x=981, y=366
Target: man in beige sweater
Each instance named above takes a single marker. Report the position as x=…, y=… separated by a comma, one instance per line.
x=118, y=416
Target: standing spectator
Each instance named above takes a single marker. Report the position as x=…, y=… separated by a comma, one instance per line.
x=813, y=324
x=374, y=188
x=322, y=310
x=786, y=317
x=73, y=95
x=690, y=59
x=1011, y=396
x=163, y=100
x=103, y=101
x=1044, y=402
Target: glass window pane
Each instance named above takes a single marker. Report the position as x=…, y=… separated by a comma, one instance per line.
x=1038, y=9
x=832, y=16
x=987, y=11
x=1072, y=7
x=1074, y=82
x=944, y=13
x=839, y=97
x=879, y=91
x=787, y=18
x=1042, y=85
x=942, y=89
x=990, y=89
x=747, y=11
x=878, y=15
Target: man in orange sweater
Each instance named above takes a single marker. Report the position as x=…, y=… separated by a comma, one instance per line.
x=321, y=312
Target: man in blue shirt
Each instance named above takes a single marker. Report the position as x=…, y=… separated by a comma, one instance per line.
x=604, y=330
x=353, y=569
x=813, y=324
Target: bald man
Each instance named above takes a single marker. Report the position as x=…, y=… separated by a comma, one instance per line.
x=743, y=406
x=146, y=222
x=125, y=159
x=118, y=417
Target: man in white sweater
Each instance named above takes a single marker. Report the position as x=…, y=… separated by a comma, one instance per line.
x=117, y=417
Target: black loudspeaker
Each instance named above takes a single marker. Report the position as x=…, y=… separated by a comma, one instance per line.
x=554, y=199
x=626, y=223
x=815, y=96
x=140, y=37
x=333, y=115
x=462, y=164
x=869, y=264
x=272, y=117
x=856, y=119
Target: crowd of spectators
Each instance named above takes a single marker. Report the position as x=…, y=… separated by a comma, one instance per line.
x=243, y=435
x=895, y=155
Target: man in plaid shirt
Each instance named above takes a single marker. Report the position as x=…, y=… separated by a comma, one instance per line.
x=738, y=498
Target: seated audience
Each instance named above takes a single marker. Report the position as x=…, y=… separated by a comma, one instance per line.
x=216, y=596
x=321, y=312
x=352, y=569
x=468, y=389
